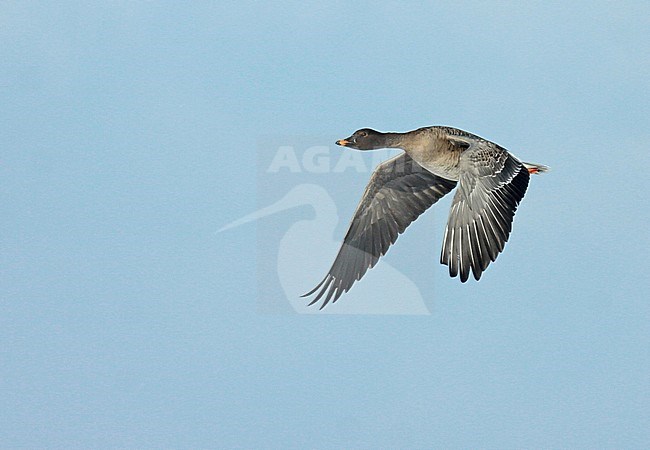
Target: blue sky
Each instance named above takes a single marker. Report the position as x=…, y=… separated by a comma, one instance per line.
x=132, y=131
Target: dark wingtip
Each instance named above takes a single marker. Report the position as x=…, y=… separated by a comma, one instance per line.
x=331, y=288
x=339, y=292
x=323, y=288
x=315, y=289
x=315, y=300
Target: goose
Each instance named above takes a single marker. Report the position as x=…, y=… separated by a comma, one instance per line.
x=491, y=182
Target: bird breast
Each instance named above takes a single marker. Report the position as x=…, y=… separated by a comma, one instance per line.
x=441, y=160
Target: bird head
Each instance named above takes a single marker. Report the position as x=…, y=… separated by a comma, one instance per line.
x=364, y=139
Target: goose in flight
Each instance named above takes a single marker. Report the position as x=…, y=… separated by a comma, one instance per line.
x=491, y=183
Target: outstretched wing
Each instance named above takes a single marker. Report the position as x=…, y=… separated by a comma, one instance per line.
x=492, y=182
x=398, y=192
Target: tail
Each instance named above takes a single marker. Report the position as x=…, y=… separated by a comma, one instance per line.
x=536, y=168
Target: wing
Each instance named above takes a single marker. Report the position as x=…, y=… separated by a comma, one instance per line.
x=398, y=192
x=491, y=184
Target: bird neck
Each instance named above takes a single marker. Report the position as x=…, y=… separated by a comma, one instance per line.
x=393, y=140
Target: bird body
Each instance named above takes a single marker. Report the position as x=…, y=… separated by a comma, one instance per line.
x=430, y=148
x=491, y=183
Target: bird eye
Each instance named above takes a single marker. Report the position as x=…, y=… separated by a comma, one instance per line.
x=363, y=134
